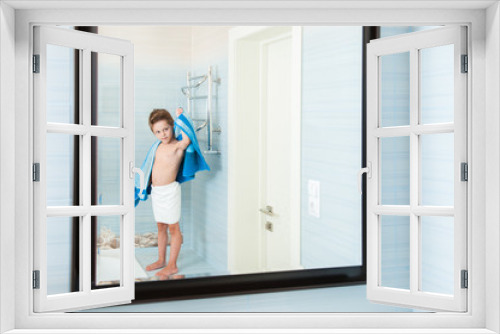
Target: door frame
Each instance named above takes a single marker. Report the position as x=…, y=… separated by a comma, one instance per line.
x=244, y=155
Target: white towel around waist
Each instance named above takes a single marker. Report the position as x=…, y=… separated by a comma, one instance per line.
x=167, y=203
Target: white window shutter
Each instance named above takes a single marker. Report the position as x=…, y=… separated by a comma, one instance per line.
x=86, y=297
x=417, y=237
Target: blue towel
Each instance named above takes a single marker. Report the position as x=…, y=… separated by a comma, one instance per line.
x=192, y=162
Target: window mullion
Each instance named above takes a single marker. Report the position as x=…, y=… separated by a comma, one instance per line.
x=414, y=171
x=86, y=167
x=86, y=113
x=85, y=254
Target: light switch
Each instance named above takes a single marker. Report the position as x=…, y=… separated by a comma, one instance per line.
x=313, y=198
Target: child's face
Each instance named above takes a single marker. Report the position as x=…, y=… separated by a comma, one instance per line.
x=163, y=131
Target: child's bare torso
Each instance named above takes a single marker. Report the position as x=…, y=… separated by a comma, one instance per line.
x=166, y=165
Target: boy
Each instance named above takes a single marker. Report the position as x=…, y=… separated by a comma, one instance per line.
x=165, y=190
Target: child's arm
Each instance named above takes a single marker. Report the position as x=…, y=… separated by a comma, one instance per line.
x=184, y=143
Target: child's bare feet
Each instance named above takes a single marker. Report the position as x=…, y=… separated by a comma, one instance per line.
x=169, y=270
x=171, y=277
x=157, y=265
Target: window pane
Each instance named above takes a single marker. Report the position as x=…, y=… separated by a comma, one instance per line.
x=437, y=169
x=389, y=31
x=395, y=170
x=106, y=185
x=62, y=255
x=437, y=240
x=108, y=249
x=395, y=252
x=437, y=84
x=63, y=170
x=108, y=89
x=395, y=89
x=62, y=85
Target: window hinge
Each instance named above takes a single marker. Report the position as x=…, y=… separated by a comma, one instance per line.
x=465, y=64
x=36, y=279
x=36, y=63
x=465, y=279
x=36, y=172
x=464, y=172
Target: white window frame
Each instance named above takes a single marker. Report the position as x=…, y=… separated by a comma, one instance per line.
x=483, y=309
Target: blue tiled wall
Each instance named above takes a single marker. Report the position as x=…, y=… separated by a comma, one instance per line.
x=331, y=145
x=209, y=189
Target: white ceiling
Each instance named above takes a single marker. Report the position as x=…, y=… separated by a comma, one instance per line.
x=250, y=4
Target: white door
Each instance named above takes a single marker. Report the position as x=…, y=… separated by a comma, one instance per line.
x=67, y=138
x=276, y=160
x=416, y=144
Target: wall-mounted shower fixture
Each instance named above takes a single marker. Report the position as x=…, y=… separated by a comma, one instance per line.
x=189, y=91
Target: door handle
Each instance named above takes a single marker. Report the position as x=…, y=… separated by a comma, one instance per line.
x=368, y=171
x=268, y=211
x=135, y=170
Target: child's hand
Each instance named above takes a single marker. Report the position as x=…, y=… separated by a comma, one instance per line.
x=178, y=111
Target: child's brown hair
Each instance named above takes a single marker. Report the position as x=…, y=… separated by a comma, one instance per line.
x=159, y=115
